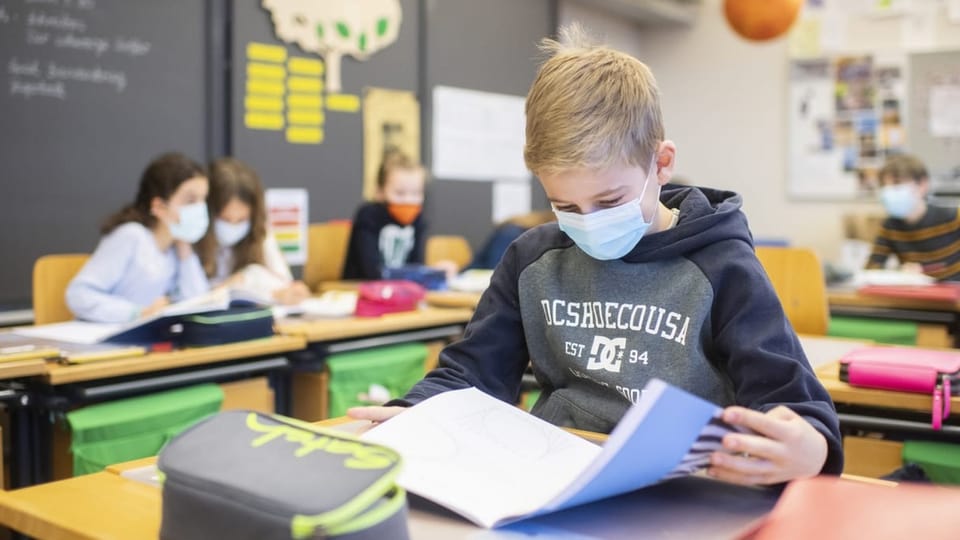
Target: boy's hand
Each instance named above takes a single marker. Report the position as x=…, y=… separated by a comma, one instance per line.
x=375, y=414
x=784, y=447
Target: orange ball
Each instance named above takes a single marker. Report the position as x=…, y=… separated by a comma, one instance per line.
x=760, y=20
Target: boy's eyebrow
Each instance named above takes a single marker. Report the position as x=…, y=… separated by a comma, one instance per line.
x=608, y=193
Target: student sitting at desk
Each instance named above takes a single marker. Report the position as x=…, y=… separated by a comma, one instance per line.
x=145, y=259
x=634, y=283
x=389, y=232
x=921, y=236
x=505, y=233
x=238, y=250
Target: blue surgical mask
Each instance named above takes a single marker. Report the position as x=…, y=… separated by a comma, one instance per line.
x=193, y=223
x=900, y=200
x=228, y=234
x=609, y=233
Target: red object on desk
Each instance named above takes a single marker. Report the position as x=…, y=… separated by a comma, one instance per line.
x=163, y=346
x=827, y=507
x=946, y=292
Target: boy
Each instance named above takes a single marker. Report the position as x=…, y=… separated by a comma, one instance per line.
x=633, y=283
x=389, y=233
x=920, y=236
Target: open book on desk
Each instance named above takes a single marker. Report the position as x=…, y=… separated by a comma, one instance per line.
x=495, y=464
x=145, y=330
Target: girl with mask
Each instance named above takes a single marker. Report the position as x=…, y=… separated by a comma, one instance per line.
x=238, y=251
x=922, y=237
x=389, y=232
x=145, y=258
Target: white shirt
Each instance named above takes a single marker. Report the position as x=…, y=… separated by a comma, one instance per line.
x=128, y=272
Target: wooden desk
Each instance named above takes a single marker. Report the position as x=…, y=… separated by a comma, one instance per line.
x=339, y=329
x=868, y=419
x=106, y=505
x=454, y=299
x=936, y=320
x=57, y=374
x=447, y=299
x=22, y=368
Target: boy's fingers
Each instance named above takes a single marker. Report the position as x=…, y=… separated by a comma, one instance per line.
x=754, y=445
x=772, y=425
x=738, y=464
x=744, y=479
x=374, y=414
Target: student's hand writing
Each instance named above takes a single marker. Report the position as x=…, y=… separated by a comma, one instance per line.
x=375, y=414
x=912, y=268
x=783, y=447
x=449, y=267
x=294, y=293
x=155, y=307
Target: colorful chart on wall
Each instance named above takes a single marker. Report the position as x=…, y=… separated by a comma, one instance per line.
x=290, y=93
x=287, y=219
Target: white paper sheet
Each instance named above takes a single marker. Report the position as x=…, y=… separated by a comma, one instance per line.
x=510, y=199
x=477, y=135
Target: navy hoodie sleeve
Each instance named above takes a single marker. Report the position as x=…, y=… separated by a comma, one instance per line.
x=757, y=348
x=493, y=352
x=365, y=259
x=417, y=254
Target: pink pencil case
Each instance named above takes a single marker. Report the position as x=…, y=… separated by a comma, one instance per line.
x=907, y=370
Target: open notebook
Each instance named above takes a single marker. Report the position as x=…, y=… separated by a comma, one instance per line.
x=495, y=464
x=139, y=331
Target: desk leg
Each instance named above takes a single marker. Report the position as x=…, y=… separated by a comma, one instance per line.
x=280, y=382
x=23, y=469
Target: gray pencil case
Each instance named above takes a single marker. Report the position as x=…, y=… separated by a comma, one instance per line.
x=247, y=475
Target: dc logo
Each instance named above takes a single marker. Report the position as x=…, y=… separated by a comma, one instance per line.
x=606, y=353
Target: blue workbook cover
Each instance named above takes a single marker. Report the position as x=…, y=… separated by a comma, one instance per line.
x=495, y=464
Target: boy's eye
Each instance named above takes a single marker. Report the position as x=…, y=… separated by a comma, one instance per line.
x=610, y=202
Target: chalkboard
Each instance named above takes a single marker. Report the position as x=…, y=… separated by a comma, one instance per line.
x=90, y=91
x=471, y=55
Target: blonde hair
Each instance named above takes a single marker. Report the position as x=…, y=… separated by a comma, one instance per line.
x=590, y=107
x=393, y=161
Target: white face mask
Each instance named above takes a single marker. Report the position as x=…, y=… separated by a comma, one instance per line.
x=610, y=233
x=228, y=234
x=900, y=200
x=193, y=222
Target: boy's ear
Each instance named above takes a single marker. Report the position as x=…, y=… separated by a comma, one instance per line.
x=666, y=159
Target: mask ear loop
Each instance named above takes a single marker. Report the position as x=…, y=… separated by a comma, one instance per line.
x=646, y=183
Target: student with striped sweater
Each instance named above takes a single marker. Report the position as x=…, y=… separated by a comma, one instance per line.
x=922, y=237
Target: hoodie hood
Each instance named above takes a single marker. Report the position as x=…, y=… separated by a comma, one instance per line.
x=706, y=216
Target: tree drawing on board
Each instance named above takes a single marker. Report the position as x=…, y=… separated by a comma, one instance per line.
x=334, y=28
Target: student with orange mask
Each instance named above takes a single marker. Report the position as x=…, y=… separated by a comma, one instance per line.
x=389, y=232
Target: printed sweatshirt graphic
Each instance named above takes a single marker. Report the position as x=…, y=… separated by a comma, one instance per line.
x=690, y=305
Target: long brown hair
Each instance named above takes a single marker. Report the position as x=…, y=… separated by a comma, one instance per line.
x=161, y=178
x=231, y=178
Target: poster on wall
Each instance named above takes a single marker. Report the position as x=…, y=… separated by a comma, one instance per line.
x=845, y=118
x=391, y=123
x=478, y=135
x=287, y=220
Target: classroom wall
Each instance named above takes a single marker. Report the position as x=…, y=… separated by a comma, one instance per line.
x=724, y=104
